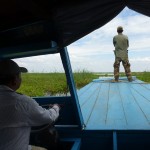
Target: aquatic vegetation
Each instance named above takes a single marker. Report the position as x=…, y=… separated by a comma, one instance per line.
x=41, y=84
x=46, y=84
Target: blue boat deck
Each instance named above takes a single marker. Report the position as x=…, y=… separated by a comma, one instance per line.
x=106, y=105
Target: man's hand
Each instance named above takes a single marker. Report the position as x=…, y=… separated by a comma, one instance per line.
x=52, y=105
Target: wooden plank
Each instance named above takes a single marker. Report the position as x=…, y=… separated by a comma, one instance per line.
x=142, y=90
x=143, y=103
x=87, y=93
x=146, y=85
x=138, y=81
x=85, y=89
x=134, y=116
x=116, y=116
x=99, y=114
x=87, y=101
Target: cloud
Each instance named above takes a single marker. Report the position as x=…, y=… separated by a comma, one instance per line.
x=99, y=42
x=44, y=63
x=94, y=52
x=138, y=59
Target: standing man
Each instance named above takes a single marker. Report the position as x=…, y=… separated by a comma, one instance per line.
x=19, y=112
x=121, y=44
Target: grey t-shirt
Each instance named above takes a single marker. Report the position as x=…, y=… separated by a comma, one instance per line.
x=17, y=114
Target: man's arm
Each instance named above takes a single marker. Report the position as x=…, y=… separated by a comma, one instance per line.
x=38, y=115
x=114, y=41
x=128, y=42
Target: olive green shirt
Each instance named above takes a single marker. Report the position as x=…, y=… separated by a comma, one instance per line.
x=121, y=44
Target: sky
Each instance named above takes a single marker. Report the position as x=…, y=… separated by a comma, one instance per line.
x=94, y=52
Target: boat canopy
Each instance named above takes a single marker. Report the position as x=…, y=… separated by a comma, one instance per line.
x=34, y=27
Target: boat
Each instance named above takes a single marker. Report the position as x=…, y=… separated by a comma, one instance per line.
x=32, y=28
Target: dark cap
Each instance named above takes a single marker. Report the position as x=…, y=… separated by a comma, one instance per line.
x=120, y=28
x=9, y=67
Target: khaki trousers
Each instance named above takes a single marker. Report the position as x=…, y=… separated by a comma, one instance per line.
x=126, y=65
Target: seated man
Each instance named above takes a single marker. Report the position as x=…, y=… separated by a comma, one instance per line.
x=19, y=112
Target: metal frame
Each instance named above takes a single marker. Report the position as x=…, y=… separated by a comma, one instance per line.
x=74, y=97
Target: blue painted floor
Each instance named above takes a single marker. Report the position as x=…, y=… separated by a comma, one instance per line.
x=115, y=106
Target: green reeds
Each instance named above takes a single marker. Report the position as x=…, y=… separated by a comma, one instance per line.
x=42, y=84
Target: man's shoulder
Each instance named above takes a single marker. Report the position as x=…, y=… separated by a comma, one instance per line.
x=115, y=36
x=121, y=35
x=125, y=35
x=22, y=96
x=24, y=100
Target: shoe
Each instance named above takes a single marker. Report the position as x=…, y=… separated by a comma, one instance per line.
x=130, y=80
x=114, y=81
